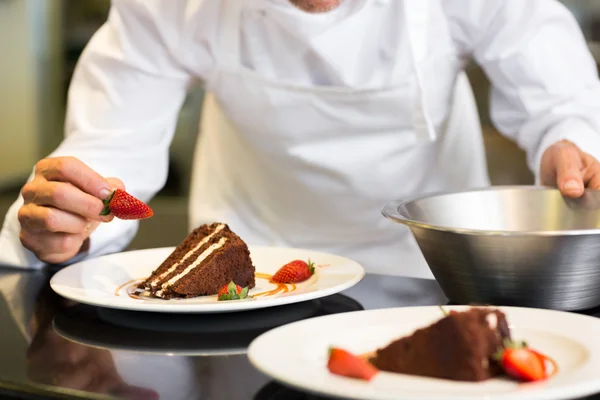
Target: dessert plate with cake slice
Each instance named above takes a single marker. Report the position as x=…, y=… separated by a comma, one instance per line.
x=211, y=271
x=447, y=353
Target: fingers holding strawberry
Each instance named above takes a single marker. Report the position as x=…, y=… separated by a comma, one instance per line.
x=61, y=208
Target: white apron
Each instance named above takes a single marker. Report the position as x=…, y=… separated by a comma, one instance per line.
x=312, y=167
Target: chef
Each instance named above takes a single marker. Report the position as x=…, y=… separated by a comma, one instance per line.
x=318, y=112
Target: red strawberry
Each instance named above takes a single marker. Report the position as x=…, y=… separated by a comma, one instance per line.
x=124, y=206
x=232, y=292
x=522, y=363
x=347, y=364
x=294, y=272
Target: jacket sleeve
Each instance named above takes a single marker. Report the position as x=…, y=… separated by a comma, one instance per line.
x=545, y=85
x=123, y=104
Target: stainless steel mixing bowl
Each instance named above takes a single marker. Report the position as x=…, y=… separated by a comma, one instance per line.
x=523, y=246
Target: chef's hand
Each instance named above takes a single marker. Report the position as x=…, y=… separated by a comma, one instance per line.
x=62, y=206
x=565, y=166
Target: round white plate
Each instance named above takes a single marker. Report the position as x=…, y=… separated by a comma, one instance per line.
x=103, y=281
x=296, y=355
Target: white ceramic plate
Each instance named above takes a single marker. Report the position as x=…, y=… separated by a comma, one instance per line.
x=104, y=281
x=296, y=355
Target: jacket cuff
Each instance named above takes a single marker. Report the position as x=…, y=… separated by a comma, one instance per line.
x=14, y=255
x=107, y=238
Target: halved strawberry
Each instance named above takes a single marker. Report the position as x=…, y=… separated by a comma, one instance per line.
x=124, y=206
x=232, y=292
x=521, y=363
x=344, y=363
x=294, y=272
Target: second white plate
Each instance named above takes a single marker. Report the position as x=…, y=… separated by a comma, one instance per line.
x=296, y=354
x=105, y=281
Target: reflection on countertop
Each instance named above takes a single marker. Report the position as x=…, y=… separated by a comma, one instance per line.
x=185, y=334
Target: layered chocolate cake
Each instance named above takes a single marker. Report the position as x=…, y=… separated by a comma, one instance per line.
x=459, y=347
x=210, y=257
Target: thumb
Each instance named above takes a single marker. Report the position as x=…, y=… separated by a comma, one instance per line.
x=115, y=183
x=569, y=175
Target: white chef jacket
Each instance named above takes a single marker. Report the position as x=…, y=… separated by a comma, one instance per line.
x=132, y=79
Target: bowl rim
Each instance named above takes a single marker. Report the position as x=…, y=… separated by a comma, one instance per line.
x=390, y=211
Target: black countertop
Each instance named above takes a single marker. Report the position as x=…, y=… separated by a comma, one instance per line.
x=51, y=348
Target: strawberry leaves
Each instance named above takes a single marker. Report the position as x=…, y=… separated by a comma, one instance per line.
x=106, y=202
x=233, y=292
x=311, y=266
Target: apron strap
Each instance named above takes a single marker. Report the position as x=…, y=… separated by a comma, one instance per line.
x=416, y=13
x=228, y=51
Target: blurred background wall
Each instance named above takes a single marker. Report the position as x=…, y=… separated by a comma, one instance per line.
x=42, y=40
x=31, y=100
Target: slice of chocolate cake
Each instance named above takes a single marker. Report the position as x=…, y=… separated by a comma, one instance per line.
x=458, y=347
x=209, y=258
